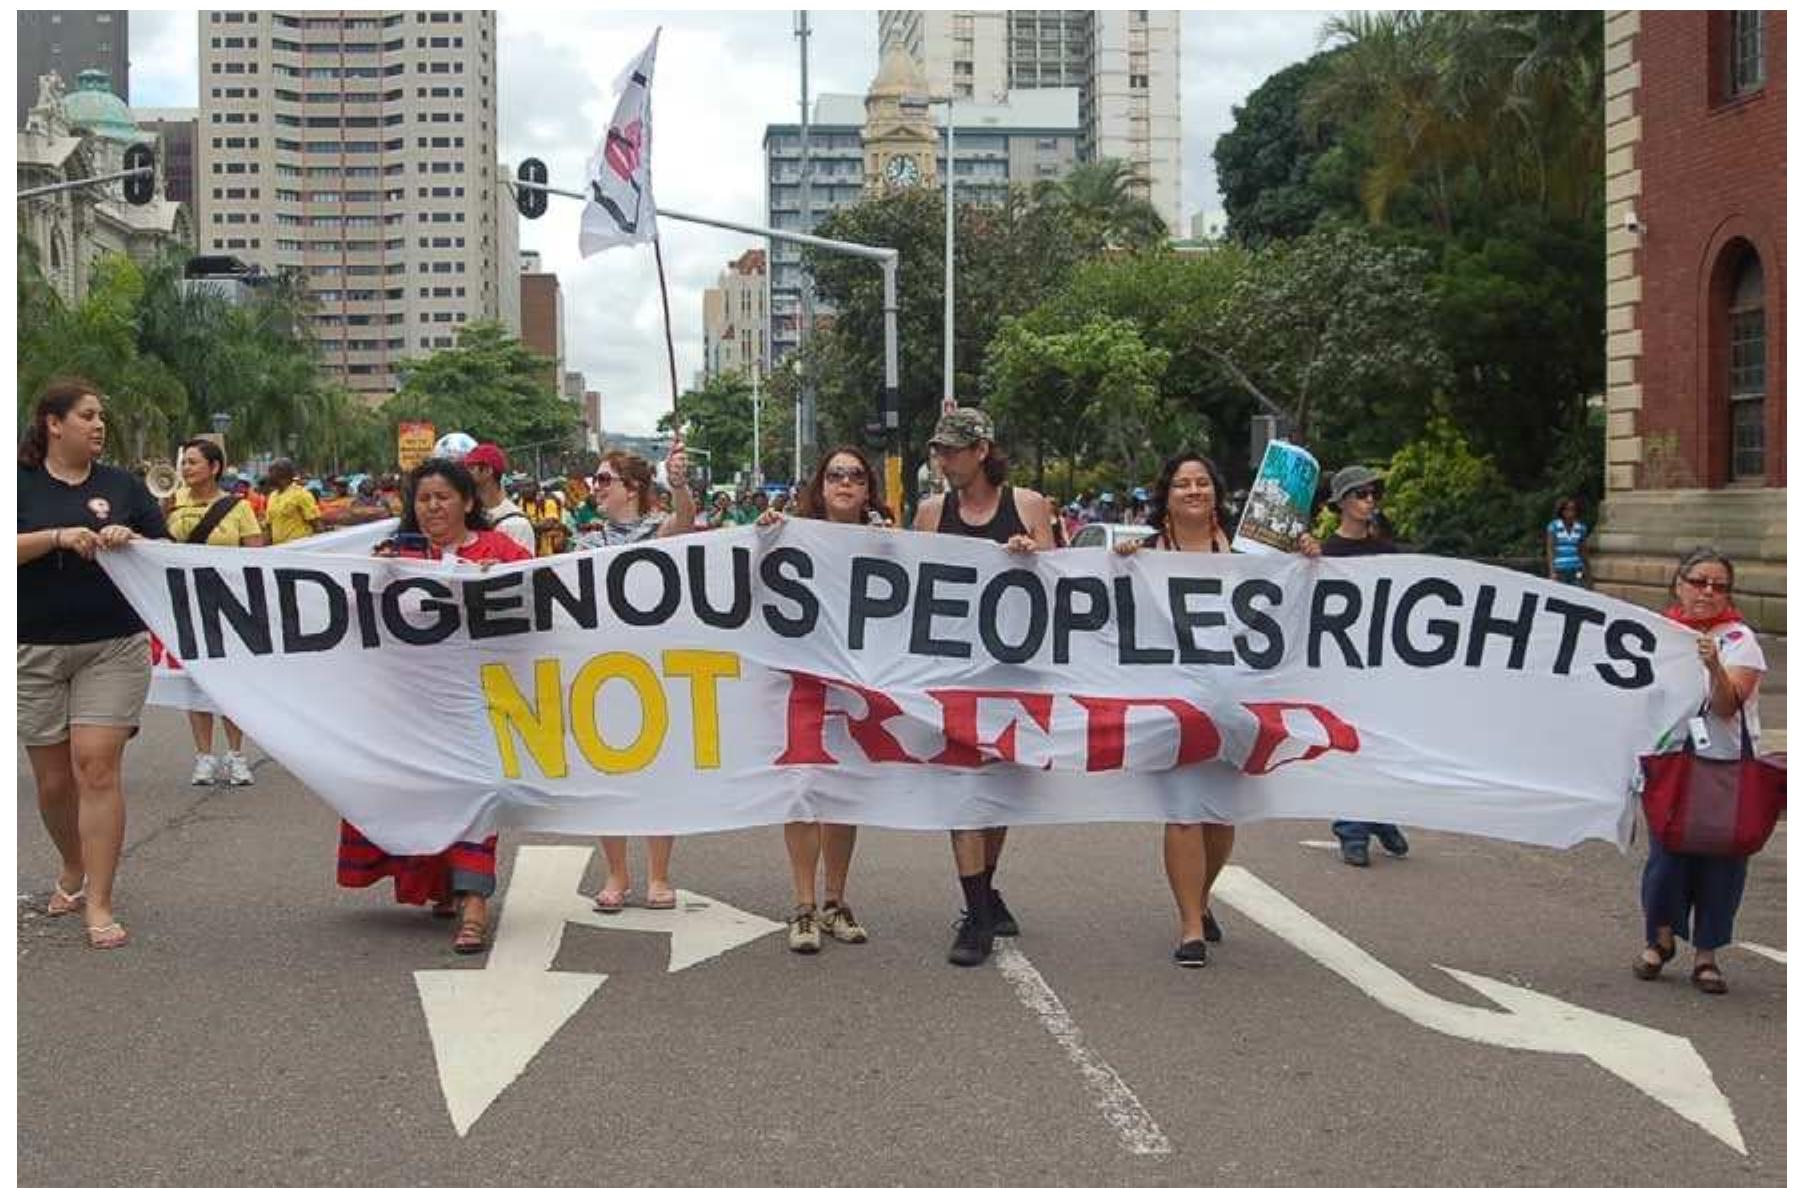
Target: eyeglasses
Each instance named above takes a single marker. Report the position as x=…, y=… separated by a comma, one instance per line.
x=603, y=480
x=1366, y=493
x=857, y=476
x=1712, y=585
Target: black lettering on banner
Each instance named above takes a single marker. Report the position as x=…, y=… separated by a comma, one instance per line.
x=439, y=602
x=1259, y=622
x=863, y=606
x=1186, y=622
x=741, y=597
x=1381, y=612
x=1615, y=640
x=774, y=577
x=1444, y=630
x=1067, y=620
x=1334, y=624
x=293, y=636
x=185, y=643
x=1013, y=579
x=550, y=591
x=929, y=604
x=485, y=608
x=616, y=588
x=1577, y=618
x=1126, y=650
x=366, y=611
x=248, y=620
x=1485, y=624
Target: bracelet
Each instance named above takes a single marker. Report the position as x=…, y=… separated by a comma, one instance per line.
x=56, y=540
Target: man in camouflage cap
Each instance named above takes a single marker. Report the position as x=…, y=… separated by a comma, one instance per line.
x=980, y=503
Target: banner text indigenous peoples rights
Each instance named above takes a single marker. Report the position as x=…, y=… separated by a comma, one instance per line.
x=812, y=671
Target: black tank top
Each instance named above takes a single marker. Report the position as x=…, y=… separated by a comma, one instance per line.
x=1002, y=526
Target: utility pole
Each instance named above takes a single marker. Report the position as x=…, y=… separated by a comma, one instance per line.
x=806, y=426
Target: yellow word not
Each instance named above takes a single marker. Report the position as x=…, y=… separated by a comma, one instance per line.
x=544, y=725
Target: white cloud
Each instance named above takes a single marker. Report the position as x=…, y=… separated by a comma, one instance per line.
x=721, y=78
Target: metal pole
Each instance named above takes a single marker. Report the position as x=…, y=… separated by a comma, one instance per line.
x=754, y=375
x=948, y=288
x=806, y=288
x=78, y=183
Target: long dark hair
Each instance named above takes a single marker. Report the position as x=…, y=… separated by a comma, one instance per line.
x=57, y=399
x=210, y=452
x=809, y=504
x=1162, y=492
x=457, y=476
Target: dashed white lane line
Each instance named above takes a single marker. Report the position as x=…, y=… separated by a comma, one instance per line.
x=1139, y=1133
x=1776, y=955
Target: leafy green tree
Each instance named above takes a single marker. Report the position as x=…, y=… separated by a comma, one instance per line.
x=1278, y=173
x=1446, y=498
x=1107, y=204
x=489, y=385
x=718, y=418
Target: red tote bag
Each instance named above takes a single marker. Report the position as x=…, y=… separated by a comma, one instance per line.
x=1720, y=808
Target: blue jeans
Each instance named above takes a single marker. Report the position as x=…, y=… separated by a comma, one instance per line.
x=1361, y=832
x=1674, y=886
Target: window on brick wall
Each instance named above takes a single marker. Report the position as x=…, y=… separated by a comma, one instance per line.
x=1746, y=367
x=1745, y=53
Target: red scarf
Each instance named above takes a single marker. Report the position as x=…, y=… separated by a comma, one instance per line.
x=1677, y=614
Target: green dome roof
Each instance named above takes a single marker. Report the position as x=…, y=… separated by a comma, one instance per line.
x=93, y=106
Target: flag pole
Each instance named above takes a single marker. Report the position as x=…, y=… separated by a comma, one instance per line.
x=673, y=372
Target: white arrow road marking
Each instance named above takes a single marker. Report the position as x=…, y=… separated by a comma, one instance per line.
x=487, y=1025
x=1665, y=1067
x=699, y=927
x=1776, y=955
x=1116, y=1101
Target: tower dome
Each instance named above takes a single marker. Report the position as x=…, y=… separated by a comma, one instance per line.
x=93, y=107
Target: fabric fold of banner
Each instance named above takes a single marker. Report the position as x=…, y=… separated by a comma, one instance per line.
x=620, y=207
x=811, y=671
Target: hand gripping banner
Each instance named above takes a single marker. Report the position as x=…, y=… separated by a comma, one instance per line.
x=816, y=672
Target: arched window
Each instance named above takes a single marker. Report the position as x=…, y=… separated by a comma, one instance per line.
x=1746, y=369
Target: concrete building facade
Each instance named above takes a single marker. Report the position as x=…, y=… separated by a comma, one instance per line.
x=735, y=317
x=1124, y=63
x=65, y=42
x=541, y=315
x=177, y=151
x=1697, y=109
x=359, y=149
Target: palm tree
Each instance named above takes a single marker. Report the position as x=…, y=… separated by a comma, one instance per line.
x=1105, y=198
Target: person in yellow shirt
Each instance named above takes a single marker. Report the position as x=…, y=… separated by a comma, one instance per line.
x=292, y=511
x=544, y=513
x=205, y=514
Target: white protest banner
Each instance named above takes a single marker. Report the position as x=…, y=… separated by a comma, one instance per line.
x=621, y=208
x=745, y=677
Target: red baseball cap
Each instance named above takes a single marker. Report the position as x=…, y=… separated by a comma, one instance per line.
x=486, y=454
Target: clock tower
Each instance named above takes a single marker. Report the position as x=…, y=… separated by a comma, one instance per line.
x=898, y=141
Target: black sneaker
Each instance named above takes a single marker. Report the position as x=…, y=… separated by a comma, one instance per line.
x=1355, y=853
x=1212, y=930
x=1192, y=954
x=1393, y=841
x=972, y=941
x=1003, y=923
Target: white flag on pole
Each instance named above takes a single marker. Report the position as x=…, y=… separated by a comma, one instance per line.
x=621, y=203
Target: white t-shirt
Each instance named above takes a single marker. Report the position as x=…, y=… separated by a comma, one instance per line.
x=507, y=517
x=1739, y=648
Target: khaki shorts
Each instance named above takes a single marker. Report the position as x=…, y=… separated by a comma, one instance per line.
x=103, y=683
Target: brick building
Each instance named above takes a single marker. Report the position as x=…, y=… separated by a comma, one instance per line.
x=1696, y=117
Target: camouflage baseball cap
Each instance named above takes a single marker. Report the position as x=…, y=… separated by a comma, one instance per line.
x=961, y=428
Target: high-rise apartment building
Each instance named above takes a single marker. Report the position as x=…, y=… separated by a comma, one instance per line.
x=1125, y=63
x=735, y=316
x=66, y=42
x=542, y=317
x=359, y=149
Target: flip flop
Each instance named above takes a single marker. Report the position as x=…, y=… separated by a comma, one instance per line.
x=470, y=938
x=63, y=903
x=609, y=901
x=107, y=936
x=661, y=901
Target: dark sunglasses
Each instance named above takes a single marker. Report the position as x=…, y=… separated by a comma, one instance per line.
x=603, y=480
x=1366, y=493
x=836, y=474
x=1713, y=585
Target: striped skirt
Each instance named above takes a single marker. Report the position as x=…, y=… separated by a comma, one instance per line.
x=467, y=867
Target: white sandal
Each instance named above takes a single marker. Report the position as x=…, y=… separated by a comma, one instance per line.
x=64, y=903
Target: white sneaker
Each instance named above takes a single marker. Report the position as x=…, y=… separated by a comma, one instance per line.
x=205, y=769
x=237, y=772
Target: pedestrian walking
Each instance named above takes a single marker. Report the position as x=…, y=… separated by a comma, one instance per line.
x=1566, y=534
x=980, y=503
x=84, y=655
x=204, y=513
x=1696, y=896
x=293, y=512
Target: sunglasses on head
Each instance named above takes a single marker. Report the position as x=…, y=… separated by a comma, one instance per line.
x=1713, y=585
x=840, y=474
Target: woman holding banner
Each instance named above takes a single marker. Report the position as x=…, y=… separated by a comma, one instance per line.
x=84, y=655
x=1186, y=514
x=442, y=519
x=844, y=489
x=205, y=514
x=1676, y=887
x=625, y=485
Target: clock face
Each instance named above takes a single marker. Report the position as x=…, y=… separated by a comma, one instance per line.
x=902, y=171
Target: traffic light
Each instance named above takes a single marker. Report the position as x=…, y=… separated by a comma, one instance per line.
x=141, y=188
x=532, y=203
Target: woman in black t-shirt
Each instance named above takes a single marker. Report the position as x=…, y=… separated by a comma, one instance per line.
x=84, y=656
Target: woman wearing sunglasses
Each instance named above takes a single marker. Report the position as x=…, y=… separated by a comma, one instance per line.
x=1675, y=887
x=843, y=490
x=625, y=486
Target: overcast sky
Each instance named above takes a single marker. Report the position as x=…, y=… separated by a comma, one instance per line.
x=720, y=79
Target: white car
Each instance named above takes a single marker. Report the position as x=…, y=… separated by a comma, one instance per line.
x=1105, y=536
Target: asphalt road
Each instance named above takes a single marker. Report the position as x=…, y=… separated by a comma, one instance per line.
x=264, y=1026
